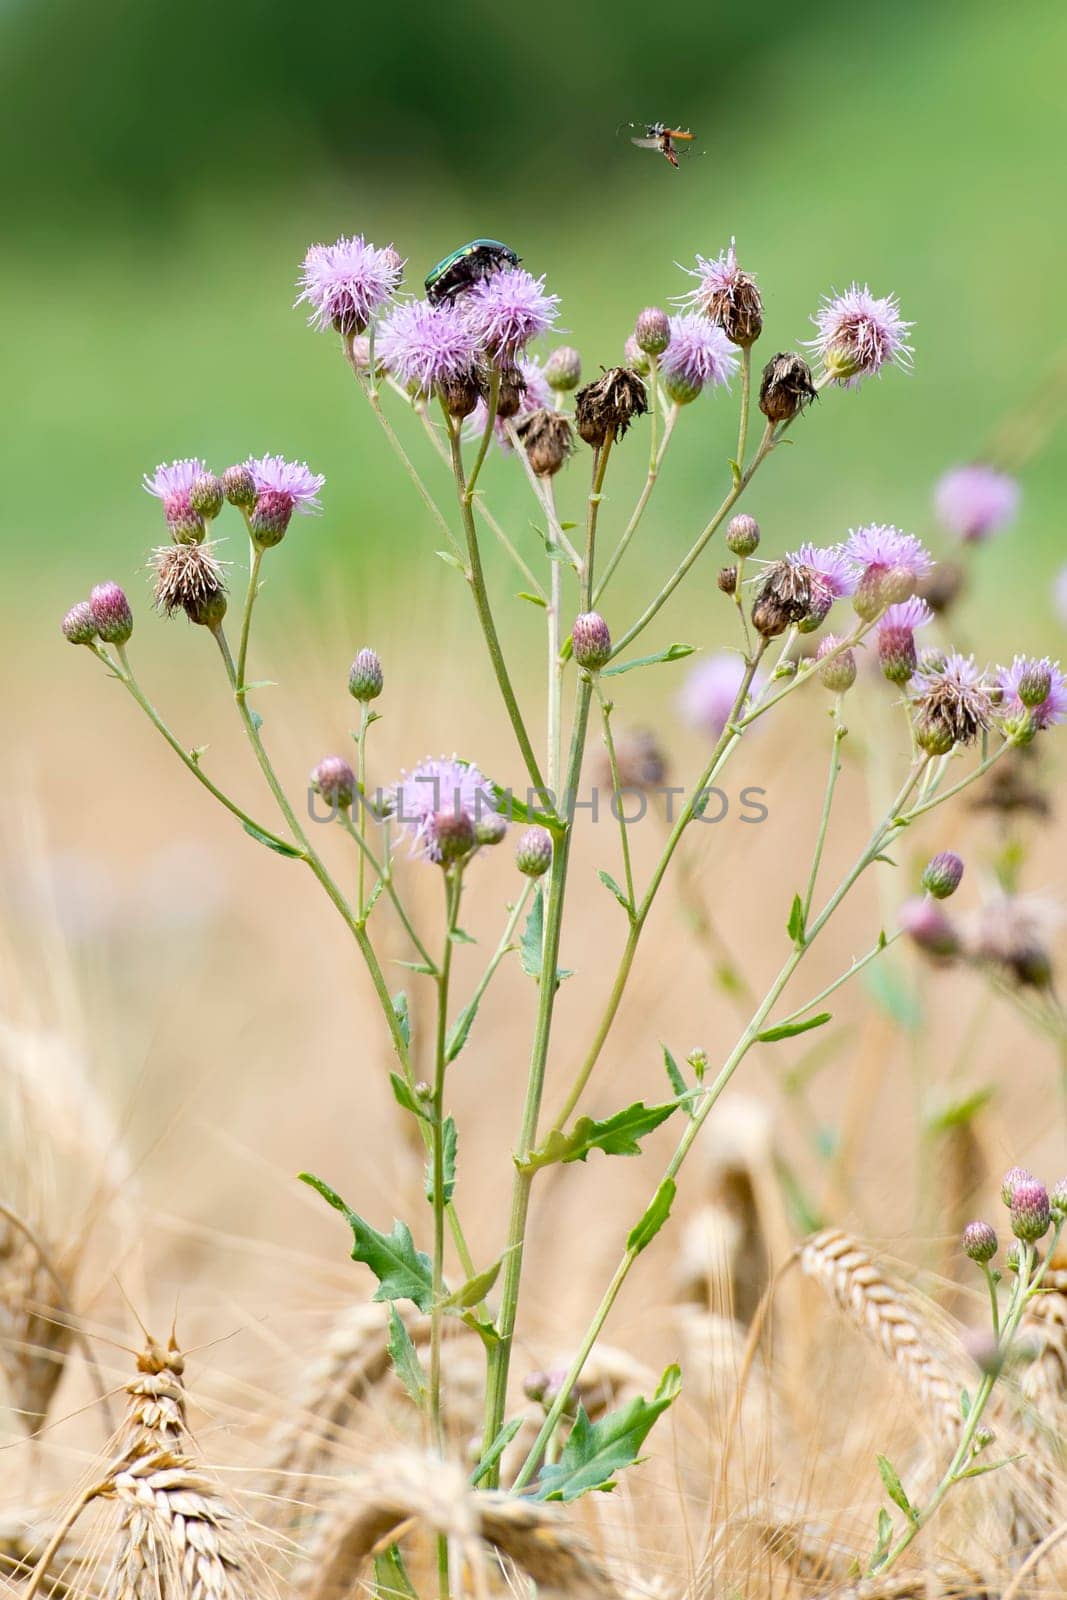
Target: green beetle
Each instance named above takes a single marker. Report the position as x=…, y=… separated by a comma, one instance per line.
x=467, y=266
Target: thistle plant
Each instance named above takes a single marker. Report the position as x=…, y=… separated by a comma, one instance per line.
x=458, y=368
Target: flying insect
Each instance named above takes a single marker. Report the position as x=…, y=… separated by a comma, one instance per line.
x=468, y=265
x=659, y=137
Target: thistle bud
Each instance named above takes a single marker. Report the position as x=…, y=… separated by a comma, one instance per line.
x=1057, y=1200
x=652, y=332
x=896, y=653
x=334, y=779
x=270, y=518
x=239, y=487
x=786, y=387
x=79, y=625
x=980, y=1241
x=490, y=829
x=942, y=874
x=934, y=735
x=208, y=610
x=453, y=833
x=186, y=525
x=1010, y=1181
x=461, y=392
x=591, y=640
x=1031, y=1214
x=1035, y=685
x=742, y=536
x=836, y=672
x=1014, y=1258
x=365, y=678
x=929, y=928
x=563, y=369
x=548, y=440
x=111, y=613
x=770, y=617
x=207, y=495
x=533, y=853
x=727, y=580
x=509, y=397
x=897, y=585
x=635, y=358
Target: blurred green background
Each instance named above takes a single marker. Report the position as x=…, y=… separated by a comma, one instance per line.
x=165, y=168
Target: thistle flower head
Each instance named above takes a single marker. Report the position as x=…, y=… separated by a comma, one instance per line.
x=190, y=579
x=563, y=369
x=346, y=282
x=490, y=829
x=929, y=928
x=439, y=804
x=1014, y=1176
x=635, y=358
x=896, y=637
x=1036, y=688
x=1013, y=933
x=424, y=346
x=524, y=389
x=742, y=535
x=533, y=853
x=1057, y=1199
x=174, y=485
x=111, y=613
x=830, y=566
x=887, y=548
x=980, y=1241
x=293, y=480
x=591, y=640
x=728, y=296
x=334, y=779
x=548, y=440
x=79, y=625
x=207, y=495
x=652, y=331
x=975, y=501
x=508, y=309
x=710, y=690
x=1031, y=1214
x=604, y=409
x=699, y=353
x=859, y=333
x=366, y=679
x=786, y=387
x=953, y=703
x=942, y=874
x=837, y=667
x=239, y=486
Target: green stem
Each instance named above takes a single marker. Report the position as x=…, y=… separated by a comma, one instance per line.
x=385, y=873
x=453, y=881
x=361, y=777
x=501, y=951
x=609, y=740
x=746, y=395
x=857, y=966
x=839, y=732
x=654, y=467
x=246, y=620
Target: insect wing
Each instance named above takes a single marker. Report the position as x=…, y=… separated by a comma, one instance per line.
x=648, y=144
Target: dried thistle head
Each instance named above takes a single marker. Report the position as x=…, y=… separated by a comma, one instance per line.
x=605, y=409
x=189, y=578
x=548, y=439
x=784, y=597
x=786, y=387
x=953, y=705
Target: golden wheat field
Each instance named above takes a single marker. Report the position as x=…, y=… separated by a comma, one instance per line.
x=190, y=1361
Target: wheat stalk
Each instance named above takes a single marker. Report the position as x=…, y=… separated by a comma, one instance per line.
x=892, y=1317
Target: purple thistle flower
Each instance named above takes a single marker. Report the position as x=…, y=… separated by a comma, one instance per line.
x=1031, y=1214
x=347, y=282
x=859, y=334
x=906, y=614
x=423, y=346
x=699, y=353
x=508, y=309
x=881, y=545
x=174, y=485
x=1013, y=1176
x=896, y=637
x=291, y=481
x=709, y=692
x=727, y=295
x=1037, y=687
x=831, y=565
x=974, y=501
x=437, y=794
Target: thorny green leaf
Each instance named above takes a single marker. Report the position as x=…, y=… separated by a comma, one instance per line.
x=403, y=1272
x=405, y=1359
x=449, y=1143
x=596, y=1451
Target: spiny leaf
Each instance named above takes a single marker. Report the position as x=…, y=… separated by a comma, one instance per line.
x=403, y=1273
x=531, y=945
x=674, y=1073
x=616, y=1136
x=789, y=1030
x=405, y=1359
x=596, y=1451
x=449, y=1143
x=654, y=1218
x=279, y=846
x=673, y=652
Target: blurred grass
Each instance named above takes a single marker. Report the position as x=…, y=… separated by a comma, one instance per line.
x=918, y=149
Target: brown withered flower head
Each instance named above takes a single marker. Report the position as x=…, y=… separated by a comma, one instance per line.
x=1014, y=934
x=727, y=296
x=512, y=389
x=783, y=598
x=605, y=409
x=461, y=391
x=190, y=579
x=727, y=580
x=786, y=387
x=548, y=439
x=953, y=705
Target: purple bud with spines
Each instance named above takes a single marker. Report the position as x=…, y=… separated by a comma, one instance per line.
x=490, y=829
x=1057, y=1200
x=111, y=613
x=742, y=535
x=334, y=779
x=79, y=624
x=652, y=331
x=591, y=640
x=239, y=486
x=635, y=358
x=1014, y=1258
x=366, y=679
x=1035, y=684
x=563, y=369
x=980, y=1241
x=1011, y=1179
x=271, y=516
x=836, y=672
x=533, y=853
x=929, y=928
x=942, y=874
x=207, y=495
x=454, y=835
x=1031, y=1213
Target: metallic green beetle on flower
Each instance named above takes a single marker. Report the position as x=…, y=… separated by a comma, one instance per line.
x=466, y=266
